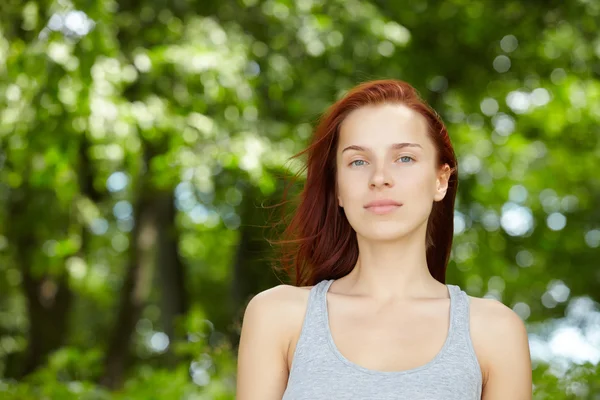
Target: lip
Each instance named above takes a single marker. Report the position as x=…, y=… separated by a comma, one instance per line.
x=382, y=202
x=383, y=206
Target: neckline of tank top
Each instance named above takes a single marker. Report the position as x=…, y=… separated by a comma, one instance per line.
x=453, y=293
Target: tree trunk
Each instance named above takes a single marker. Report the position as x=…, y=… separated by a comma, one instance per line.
x=48, y=297
x=48, y=302
x=170, y=268
x=134, y=292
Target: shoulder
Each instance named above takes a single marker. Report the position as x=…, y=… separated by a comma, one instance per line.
x=278, y=297
x=493, y=313
x=262, y=368
x=499, y=337
x=275, y=302
x=277, y=309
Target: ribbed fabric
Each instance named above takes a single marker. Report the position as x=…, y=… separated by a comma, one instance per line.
x=320, y=372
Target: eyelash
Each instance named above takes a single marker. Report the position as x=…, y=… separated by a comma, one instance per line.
x=352, y=163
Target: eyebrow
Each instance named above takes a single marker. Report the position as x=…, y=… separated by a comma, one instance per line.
x=395, y=146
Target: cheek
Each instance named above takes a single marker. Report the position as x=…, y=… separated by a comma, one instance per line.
x=417, y=183
x=418, y=188
x=351, y=186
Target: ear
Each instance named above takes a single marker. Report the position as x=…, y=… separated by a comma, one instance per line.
x=340, y=202
x=339, y=198
x=442, y=182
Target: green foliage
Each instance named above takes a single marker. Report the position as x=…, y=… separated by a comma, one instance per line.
x=578, y=382
x=71, y=373
x=139, y=140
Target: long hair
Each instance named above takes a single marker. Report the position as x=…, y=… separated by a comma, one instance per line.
x=318, y=242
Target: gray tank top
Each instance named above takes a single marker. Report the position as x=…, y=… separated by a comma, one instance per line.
x=320, y=372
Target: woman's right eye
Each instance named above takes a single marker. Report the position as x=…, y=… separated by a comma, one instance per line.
x=357, y=161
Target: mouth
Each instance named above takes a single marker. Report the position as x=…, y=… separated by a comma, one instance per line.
x=383, y=209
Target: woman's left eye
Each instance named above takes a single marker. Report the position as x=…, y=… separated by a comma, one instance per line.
x=409, y=157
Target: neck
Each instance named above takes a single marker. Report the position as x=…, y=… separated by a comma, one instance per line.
x=392, y=270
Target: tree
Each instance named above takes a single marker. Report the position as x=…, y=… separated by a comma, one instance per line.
x=140, y=144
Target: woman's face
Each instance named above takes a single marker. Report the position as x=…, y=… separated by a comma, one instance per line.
x=384, y=154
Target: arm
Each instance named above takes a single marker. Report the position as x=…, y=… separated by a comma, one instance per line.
x=262, y=371
x=507, y=362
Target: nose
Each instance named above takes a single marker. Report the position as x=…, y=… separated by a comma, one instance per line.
x=381, y=178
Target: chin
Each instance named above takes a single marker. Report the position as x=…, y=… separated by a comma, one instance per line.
x=390, y=230
x=384, y=234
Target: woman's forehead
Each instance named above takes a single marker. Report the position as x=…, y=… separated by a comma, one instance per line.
x=385, y=125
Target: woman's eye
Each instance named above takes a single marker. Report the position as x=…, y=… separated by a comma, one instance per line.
x=357, y=161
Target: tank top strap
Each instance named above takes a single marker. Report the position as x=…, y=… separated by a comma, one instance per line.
x=313, y=330
x=321, y=288
x=320, y=304
x=460, y=317
x=314, y=308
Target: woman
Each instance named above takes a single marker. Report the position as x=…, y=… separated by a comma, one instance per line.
x=372, y=237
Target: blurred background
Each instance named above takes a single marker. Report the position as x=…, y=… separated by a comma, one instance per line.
x=142, y=144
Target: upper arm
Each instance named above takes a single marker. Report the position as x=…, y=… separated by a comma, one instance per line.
x=262, y=371
x=506, y=354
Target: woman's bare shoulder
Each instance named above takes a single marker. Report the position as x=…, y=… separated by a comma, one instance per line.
x=282, y=293
x=496, y=330
x=264, y=342
x=284, y=306
x=285, y=303
x=491, y=313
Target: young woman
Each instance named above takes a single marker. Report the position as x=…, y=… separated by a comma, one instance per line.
x=371, y=316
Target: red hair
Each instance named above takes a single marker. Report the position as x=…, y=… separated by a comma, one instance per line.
x=319, y=243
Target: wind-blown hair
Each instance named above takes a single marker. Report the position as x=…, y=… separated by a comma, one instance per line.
x=318, y=242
